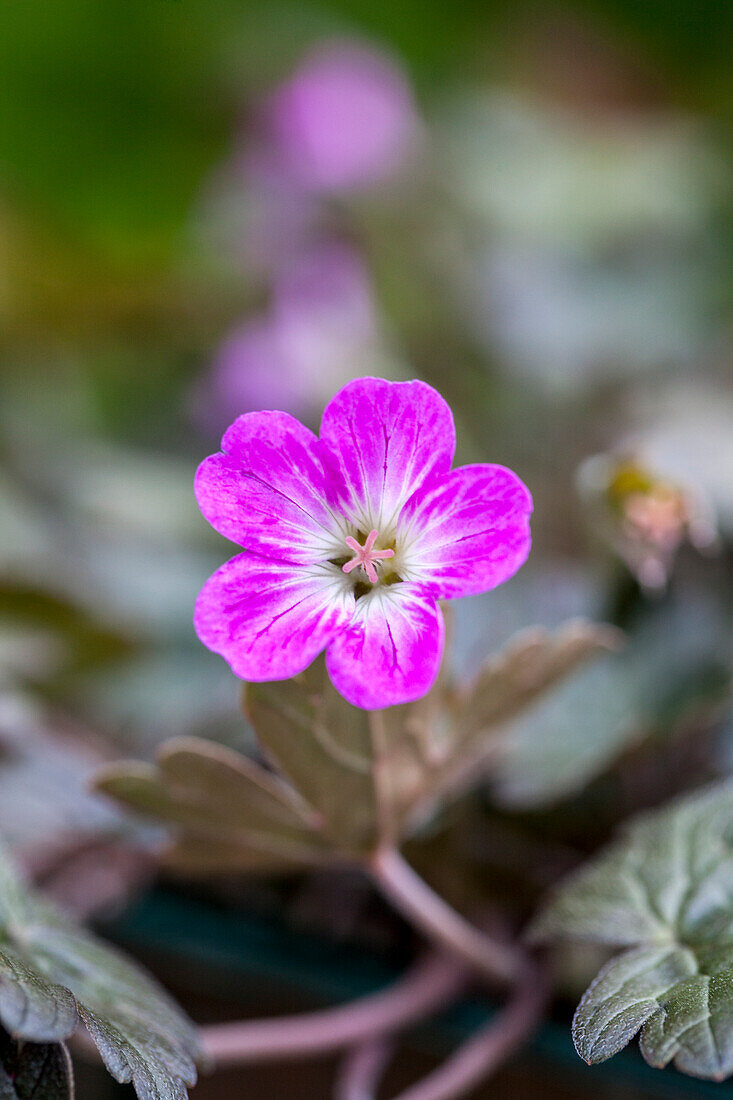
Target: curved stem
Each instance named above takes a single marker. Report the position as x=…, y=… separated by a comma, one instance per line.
x=362, y=1069
x=488, y=1048
x=440, y=922
x=431, y=983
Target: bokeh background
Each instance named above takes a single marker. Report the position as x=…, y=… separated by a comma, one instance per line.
x=209, y=206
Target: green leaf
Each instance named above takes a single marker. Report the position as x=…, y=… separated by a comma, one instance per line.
x=30, y=1005
x=34, y=1071
x=353, y=778
x=682, y=998
x=53, y=973
x=197, y=854
x=371, y=772
x=664, y=891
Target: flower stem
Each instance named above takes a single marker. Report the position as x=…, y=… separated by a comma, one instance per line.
x=479, y=1056
x=488, y=1048
x=412, y=896
x=362, y=1069
x=431, y=983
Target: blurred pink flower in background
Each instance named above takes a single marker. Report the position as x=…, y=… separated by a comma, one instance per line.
x=325, y=293
x=257, y=215
x=320, y=331
x=345, y=119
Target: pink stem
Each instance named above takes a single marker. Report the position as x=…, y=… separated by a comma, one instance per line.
x=488, y=1048
x=431, y=983
x=441, y=923
x=362, y=1069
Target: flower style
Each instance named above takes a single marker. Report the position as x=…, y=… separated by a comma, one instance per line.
x=349, y=540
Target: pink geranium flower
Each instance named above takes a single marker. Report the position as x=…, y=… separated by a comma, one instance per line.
x=349, y=540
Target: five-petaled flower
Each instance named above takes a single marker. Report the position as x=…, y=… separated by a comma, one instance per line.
x=351, y=539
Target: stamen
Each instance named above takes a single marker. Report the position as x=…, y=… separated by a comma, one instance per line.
x=366, y=555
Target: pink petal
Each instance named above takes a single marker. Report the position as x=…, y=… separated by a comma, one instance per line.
x=270, y=619
x=468, y=533
x=267, y=491
x=382, y=441
x=391, y=650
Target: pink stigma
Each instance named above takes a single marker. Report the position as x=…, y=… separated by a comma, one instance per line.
x=365, y=556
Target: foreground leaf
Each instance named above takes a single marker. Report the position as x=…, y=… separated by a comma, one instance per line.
x=34, y=1071
x=52, y=973
x=665, y=891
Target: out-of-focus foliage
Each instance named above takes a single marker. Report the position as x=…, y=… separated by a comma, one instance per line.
x=55, y=976
x=45, y=767
x=568, y=189
x=674, y=670
x=551, y=253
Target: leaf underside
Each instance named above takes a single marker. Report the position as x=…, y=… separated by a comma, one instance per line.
x=665, y=893
x=345, y=776
x=530, y=663
x=501, y=726
x=52, y=974
x=347, y=780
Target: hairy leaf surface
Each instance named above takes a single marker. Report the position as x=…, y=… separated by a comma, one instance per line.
x=665, y=892
x=53, y=973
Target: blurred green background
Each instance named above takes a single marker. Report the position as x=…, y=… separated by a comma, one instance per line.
x=112, y=113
